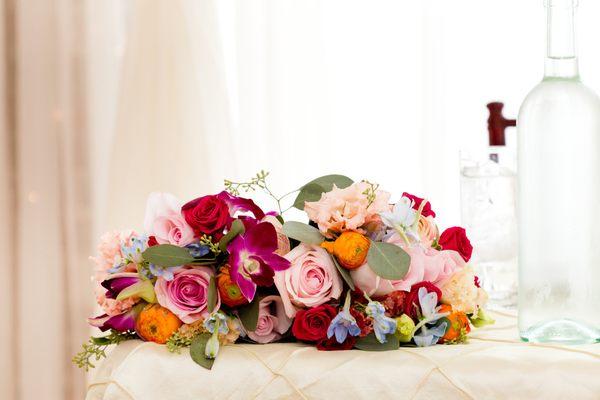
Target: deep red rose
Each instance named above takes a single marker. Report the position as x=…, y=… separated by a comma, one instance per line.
x=332, y=344
x=152, y=241
x=456, y=239
x=207, y=215
x=311, y=325
x=411, y=304
x=477, y=283
x=427, y=211
x=394, y=302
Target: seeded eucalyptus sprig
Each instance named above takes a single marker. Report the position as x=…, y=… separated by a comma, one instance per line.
x=371, y=192
x=95, y=348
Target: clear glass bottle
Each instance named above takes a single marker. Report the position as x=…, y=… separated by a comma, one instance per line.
x=559, y=196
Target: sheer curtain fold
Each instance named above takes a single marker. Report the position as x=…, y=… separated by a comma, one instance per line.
x=48, y=219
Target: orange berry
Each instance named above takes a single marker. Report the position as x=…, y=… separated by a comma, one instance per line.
x=350, y=249
x=459, y=325
x=156, y=324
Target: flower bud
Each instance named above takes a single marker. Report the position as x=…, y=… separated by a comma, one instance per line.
x=404, y=328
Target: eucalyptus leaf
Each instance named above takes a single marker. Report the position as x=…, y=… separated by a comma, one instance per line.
x=343, y=272
x=303, y=232
x=388, y=260
x=212, y=295
x=370, y=343
x=237, y=228
x=197, y=351
x=313, y=190
x=249, y=314
x=167, y=255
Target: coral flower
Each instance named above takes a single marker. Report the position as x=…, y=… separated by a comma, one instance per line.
x=350, y=249
x=459, y=325
x=230, y=293
x=253, y=259
x=156, y=324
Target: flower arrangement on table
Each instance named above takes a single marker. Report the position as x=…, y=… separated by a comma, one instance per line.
x=364, y=273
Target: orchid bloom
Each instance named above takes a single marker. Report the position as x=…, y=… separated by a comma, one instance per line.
x=122, y=322
x=343, y=324
x=253, y=260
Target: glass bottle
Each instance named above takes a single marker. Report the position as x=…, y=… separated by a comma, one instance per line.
x=559, y=196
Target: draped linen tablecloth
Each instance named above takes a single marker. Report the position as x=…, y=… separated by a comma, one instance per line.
x=493, y=365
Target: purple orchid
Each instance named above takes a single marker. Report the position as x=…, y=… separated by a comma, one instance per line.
x=121, y=323
x=253, y=260
x=116, y=283
x=241, y=204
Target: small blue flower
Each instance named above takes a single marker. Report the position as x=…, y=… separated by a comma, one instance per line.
x=165, y=272
x=198, y=250
x=428, y=331
x=430, y=336
x=382, y=324
x=343, y=324
x=216, y=319
x=402, y=219
x=133, y=252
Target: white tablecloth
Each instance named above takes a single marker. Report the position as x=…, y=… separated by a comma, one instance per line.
x=493, y=365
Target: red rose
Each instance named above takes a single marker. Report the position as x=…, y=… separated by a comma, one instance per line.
x=427, y=211
x=207, y=215
x=456, y=239
x=411, y=303
x=311, y=325
x=364, y=323
x=152, y=241
x=394, y=302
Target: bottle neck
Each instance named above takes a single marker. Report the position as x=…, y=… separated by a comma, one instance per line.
x=561, y=56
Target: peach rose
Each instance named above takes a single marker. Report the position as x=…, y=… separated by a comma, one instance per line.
x=347, y=209
x=428, y=230
x=425, y=265
x=459, y=291
x=311, y=280
x=271, y=324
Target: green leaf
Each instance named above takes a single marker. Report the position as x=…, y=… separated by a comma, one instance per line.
x=303, y=232
x=143, y=289
x=197, y=351
x=313, y=190
x=370, y=343
x=388, y=260
x=249, y=314
x=167, y=255
x=101, y=341
x=237, y=228
x=343, y=272
x=212, y=295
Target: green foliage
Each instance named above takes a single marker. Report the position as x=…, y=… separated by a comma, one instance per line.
x=313, y=190
x=211, y=302
x=343, y=272
x=388, y=260
x=177, y=342
x=95, y=348
x=197, y=348
x=303, y=232
x=370, y=343
x=237, y=228
x=249, y=315
x=167, y=255
x=207, y=241
x=371, y=192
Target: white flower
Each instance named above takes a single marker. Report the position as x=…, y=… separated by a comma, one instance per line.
x=402, y=218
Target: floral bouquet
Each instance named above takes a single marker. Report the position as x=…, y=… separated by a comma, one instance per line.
x=364, y=273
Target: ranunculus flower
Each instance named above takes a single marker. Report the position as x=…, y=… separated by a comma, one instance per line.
x=461, y=292
x=456, y=239
x=428, y=230
x=231, y=295
x=156, y=324
x=347, y=209
x=427, y=211
x=272, y=321
x=164, y=220
x=411, y=304
x=311, y=280
x=425, y=265
x=187, y=294
x=311, y=325
x=283, y=242
x=207, y=215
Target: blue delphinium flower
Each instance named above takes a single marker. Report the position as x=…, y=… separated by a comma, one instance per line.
x=382, y=324
x=132, y=253
x=218, y=320
x=197, y=250
x=428, y=331
x=343, y=324
x=164, y=272
x=403, y=219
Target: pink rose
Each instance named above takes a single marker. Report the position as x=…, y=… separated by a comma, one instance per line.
x=425, y=265
x=187, y=294
x=348, y=209
x=283, y=243
x=311, y=280
x=272, y=321
x=165, y=222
